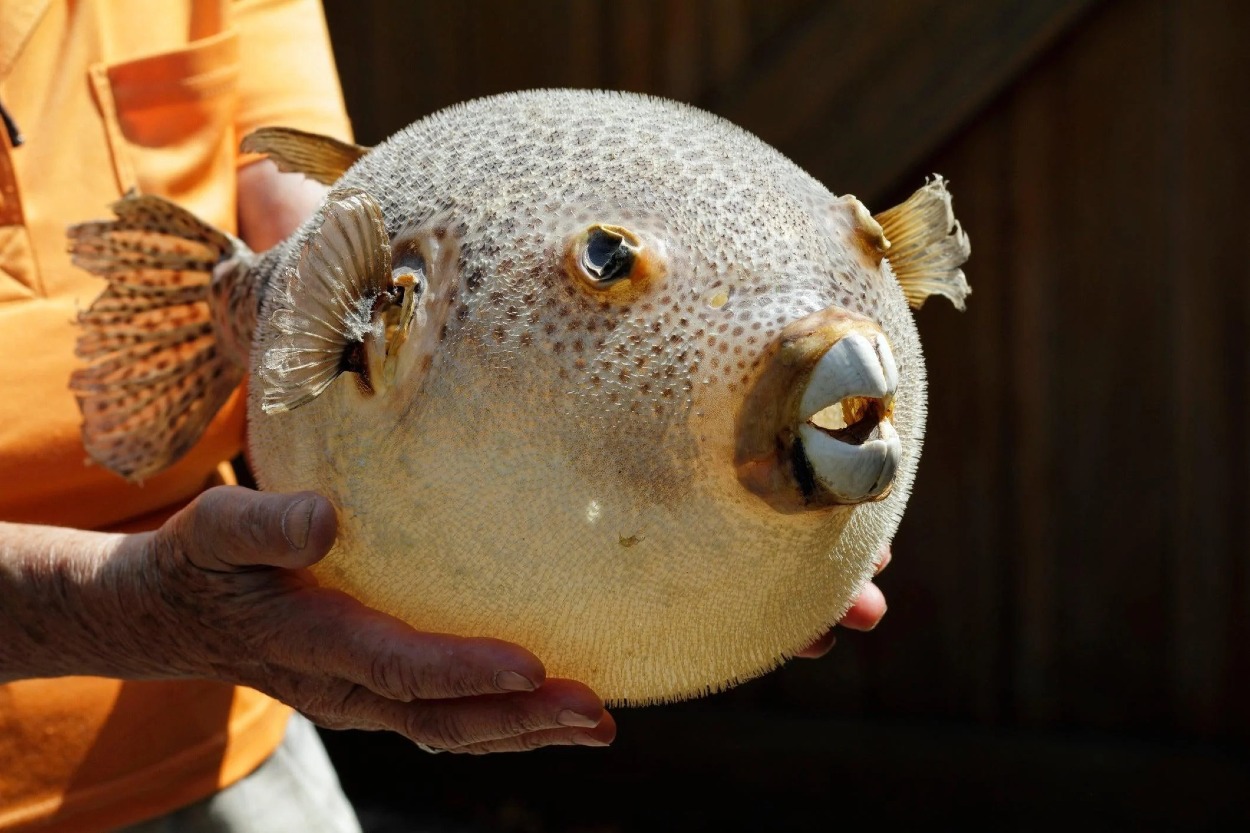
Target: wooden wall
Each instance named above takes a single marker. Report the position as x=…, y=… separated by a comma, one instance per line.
x=1074, y=559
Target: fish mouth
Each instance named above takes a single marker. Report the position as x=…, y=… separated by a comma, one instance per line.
x=817, y=427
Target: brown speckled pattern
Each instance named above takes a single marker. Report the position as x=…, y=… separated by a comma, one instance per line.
x=538, y=424
x=158, y=364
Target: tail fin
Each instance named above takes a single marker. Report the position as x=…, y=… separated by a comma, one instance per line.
x=156, y=374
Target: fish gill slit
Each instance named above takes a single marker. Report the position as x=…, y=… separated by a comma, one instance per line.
x=354, y=361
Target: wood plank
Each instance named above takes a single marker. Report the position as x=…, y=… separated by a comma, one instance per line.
x=1036, y=506
x=728, y=40
x=396, y=64
x=586, y=56
x=674, y=769
x=632, y=44
x=503, y=44
x=1112, y=347
x=955, y=545
x=865, y=91
x=1206, y=180
x=792, y=80
x=683, y=47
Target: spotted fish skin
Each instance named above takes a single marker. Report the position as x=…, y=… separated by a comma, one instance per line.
x=530, y=456
x=712, y=194
x=157, y=365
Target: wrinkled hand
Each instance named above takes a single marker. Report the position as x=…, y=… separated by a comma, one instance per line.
x=865, y=613
x=226, y=594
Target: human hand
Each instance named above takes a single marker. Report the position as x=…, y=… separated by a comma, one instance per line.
x=222, y=590
x=864, y=615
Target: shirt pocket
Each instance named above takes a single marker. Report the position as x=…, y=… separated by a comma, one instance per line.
x=170, y=123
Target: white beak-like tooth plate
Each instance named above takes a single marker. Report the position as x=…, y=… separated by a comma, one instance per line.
x=888, y=367
x=851, y=367
x=852, y=472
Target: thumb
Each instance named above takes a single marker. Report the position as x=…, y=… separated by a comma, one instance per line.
x=229, y=528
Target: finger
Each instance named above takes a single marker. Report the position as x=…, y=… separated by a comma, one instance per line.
x=229, y=528
x=860, y=616
x=451, y=724
x=883, y=558
x=328, y=632
x=867, y=610
x=823, y=645
x=601, y=735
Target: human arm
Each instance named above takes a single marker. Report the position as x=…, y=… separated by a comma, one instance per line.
x=184, y=602
x=273, y=204
x=287, y=78
x=222, y=591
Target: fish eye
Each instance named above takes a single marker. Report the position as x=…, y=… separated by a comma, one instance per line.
x=609, y=255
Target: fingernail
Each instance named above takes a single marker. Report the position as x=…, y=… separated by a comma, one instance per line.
x=512, y=681
x=587, y=740
x=568, y=717
x=297, y=521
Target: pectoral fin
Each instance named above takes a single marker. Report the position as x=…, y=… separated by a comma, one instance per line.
x=326, y=312
x=311, y=154
x=927, y=245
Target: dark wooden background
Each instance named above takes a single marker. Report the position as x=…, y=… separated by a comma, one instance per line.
x=1067, y=636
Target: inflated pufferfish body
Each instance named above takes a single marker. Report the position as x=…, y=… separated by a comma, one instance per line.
x=597, y=373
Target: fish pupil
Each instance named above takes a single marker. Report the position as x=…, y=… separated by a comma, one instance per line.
x=607, y=257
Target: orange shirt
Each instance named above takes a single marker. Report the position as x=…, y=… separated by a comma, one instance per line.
x=109, y=95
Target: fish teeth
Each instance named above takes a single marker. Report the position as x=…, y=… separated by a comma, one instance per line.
x=853, y=366
x=888, y=367
x=852, y=472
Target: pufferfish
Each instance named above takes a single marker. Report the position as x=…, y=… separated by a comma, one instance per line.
x=597, y=373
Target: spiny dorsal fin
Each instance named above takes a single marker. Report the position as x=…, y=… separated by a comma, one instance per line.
x=327, y=307
x=927, y=245
x=315, y=156
x=156, y=374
